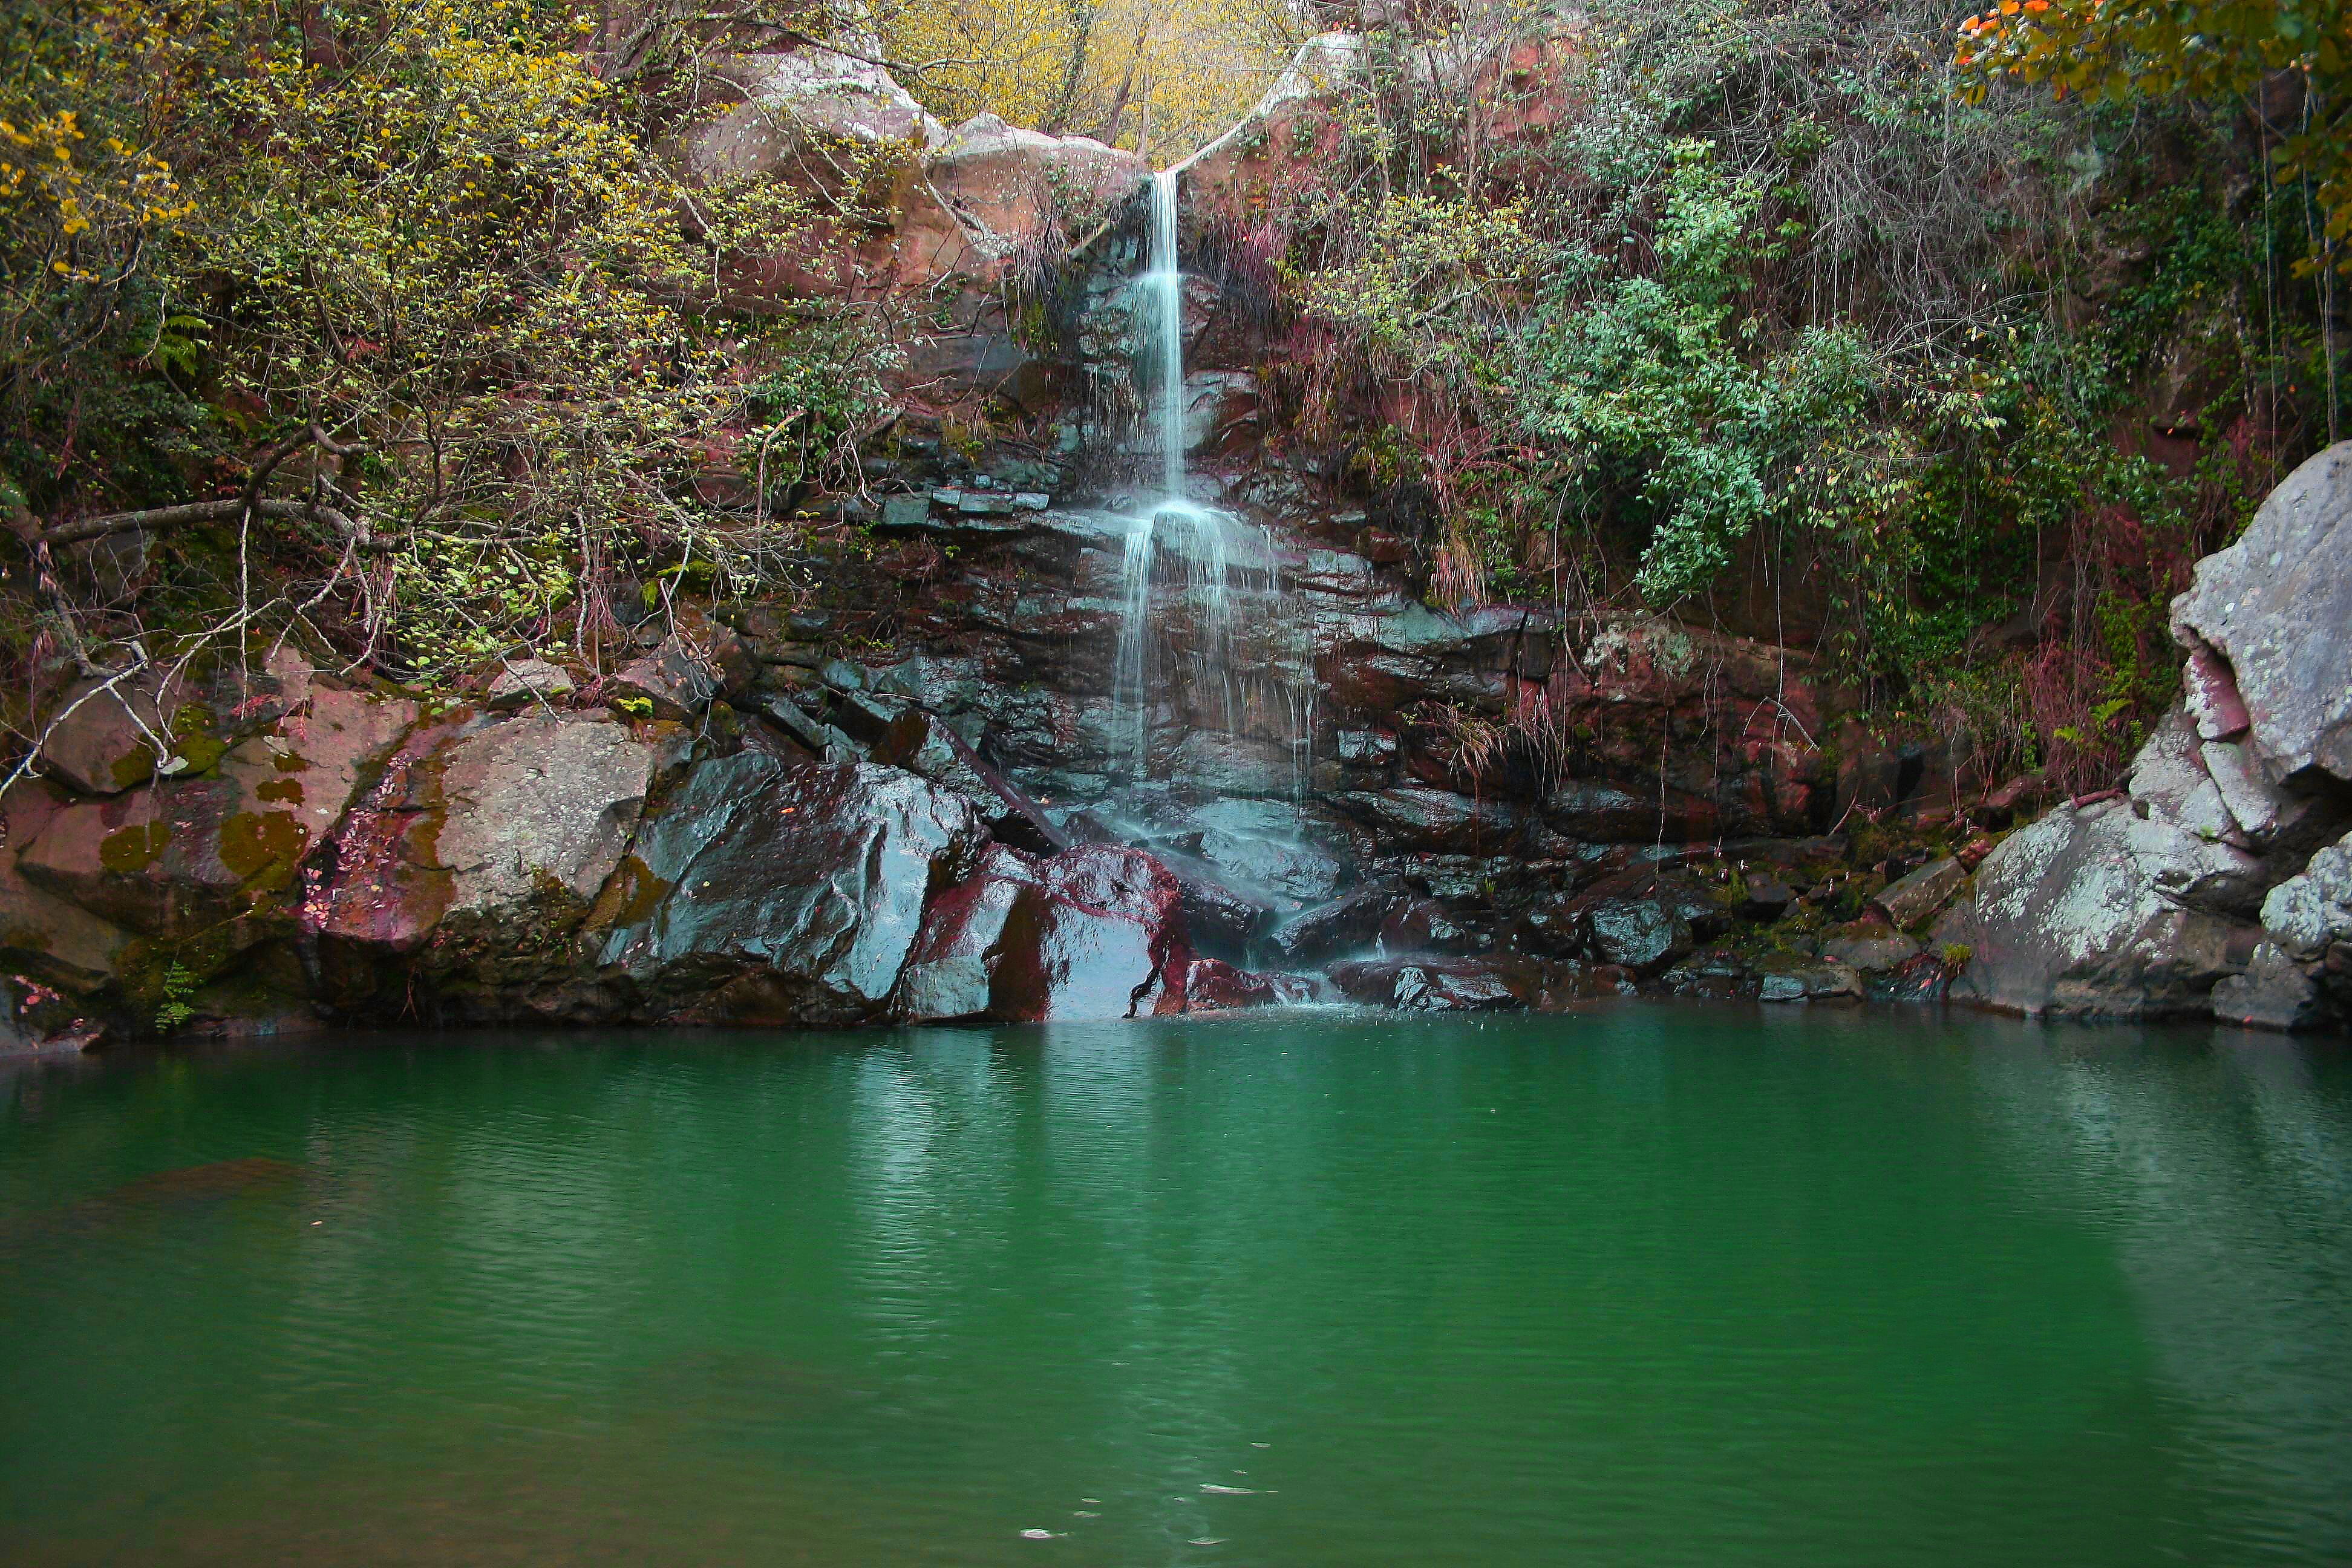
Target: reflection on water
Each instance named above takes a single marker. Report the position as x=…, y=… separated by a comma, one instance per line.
x=2224, y=1186
x=1653, y=1285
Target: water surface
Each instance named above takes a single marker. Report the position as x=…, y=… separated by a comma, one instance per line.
x=1653, y=1285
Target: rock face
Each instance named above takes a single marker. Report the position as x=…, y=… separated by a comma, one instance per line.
x=536, y=813
x=2277, y=607
x=196, y=852
x=2149, y=906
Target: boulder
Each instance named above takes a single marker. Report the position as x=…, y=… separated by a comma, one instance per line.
x=951, y=972
x=527, y=683
x=195, y=852
x=1345, y=924
x=1007, y=184
x=2275, y=993
x=1195, y=985
x=2276, y=609
x=103, y=741
x=2310, y=912
x=785, y=895
x=1425, y=925
x=2184, y=832
x=1868, y=946
x=1417, y=816
x=1600, y=813
x=1083, y=935
x=921, y=743
x=2067, y=921
x=675, y=681
x=1922, y=978
x=792, y=99
x=57, y=942
x=1792, y=979
x=1917, y=897
x=1766, y=897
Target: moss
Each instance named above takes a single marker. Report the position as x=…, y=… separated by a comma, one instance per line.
x=287, y=792
x=262, y=846
x=629, y=898
x=128, y=851
x=192, y=734
x=1956, y=955
x=132, y=767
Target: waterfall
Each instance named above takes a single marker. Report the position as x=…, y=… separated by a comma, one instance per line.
x=1204, y=607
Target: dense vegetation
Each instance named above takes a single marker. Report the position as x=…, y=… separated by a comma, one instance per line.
x=402, y=313
x=1796, y=297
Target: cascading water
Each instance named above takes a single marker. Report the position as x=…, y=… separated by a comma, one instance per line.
x=1206, y=620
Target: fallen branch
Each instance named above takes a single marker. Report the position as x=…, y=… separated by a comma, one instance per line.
x=208, y=511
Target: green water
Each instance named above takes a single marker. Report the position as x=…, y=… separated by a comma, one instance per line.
x=1657, y=1285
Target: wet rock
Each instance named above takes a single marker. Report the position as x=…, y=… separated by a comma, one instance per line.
x=1083, y=935
x=2065, y=921
x=1917, y=897
x=1790, y=979
x=1217, y=919
x=785, y=895
x=1212, y=985
x=922, y=744
x=1432, y=985
x=675, y=681
x=1922, y=978
x=951, y=972
x=525, y=683
x=1643, y=934
x=1715, y=975
x=1426, y=925
x=1345, y=924
x=1416, y=816
x=2276, y=608
x=1217, y=764
x=814, y=736
x=1600, y=813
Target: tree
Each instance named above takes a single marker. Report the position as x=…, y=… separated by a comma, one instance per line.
x=398, y=291
x=2205, y=49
